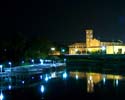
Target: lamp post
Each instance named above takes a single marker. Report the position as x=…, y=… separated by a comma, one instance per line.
x=10, y=65
x=32, y=61
x=52, y=50
x=1, y=66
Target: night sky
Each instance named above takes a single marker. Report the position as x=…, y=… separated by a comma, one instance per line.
x=64, y=21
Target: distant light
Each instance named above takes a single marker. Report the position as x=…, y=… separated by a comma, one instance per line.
x=62, y=50
x=64, y=59
x=42, y=88
x=117, y=82
x=41, y=61
x=77, y=76
x=76, y=50
x=1, y=66
x=103, y=48
x=22, y=62
x=32, y=77
x=32, y=60
x=46, y=78
x=9, y=87
x=22, y=82
x=65, y=75
x=1, y=96
x=53, y=75
x=90, y=78
x=41, y=77
x=9, y=63
x=104, y=80
x=52, y=48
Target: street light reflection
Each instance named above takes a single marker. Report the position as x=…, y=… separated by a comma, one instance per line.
x=42, y=88
x=1, y=95
x=64, y=75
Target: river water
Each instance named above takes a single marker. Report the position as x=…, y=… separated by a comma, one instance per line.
x=66, y=84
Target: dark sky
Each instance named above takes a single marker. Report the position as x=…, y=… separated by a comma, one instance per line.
x=64, y=20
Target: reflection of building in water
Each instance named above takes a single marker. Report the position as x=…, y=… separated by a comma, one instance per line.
x=95, y=78
x=93, y=45
x=90, y=85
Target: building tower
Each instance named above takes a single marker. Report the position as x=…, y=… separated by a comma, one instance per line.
x=89, y=37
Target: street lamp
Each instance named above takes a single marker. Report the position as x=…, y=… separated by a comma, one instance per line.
x=1, y=95
x=32, y=61
x=52, y=49
x=1, y=67
x=10, y=65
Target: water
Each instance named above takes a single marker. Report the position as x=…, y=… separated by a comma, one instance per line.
x=65, y=84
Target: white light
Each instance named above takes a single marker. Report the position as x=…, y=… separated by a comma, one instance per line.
x=64, y=59
x=53, y=75
x=77, y=76
x=46, y=78
x=104, y=80
x=32, y=77
x=22, y=62
x=42, y=88
x=33, y=60
x=41, y=77
x=90, y=78
x=52, y=48
x=117, y=82
x=63, y=50
x=76, y=50
x=1, y=96
x=41, y=61
x=9, y=63
x=1, y=66
x=103, y=48
x=65, y=75
x=9, y=87
x=23, y=82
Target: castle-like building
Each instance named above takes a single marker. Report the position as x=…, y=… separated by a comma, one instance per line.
x=93, y=45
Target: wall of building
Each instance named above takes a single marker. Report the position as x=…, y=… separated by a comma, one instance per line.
x=115, y=49
x=77, y=48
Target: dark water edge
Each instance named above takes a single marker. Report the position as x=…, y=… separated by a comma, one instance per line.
x=70, y=88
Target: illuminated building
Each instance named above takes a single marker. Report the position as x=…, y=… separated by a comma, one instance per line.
x=94, y=45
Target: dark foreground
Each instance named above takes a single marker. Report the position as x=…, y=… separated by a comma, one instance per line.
x=66, y=84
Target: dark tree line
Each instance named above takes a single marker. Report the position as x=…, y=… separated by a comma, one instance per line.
x=18, y=46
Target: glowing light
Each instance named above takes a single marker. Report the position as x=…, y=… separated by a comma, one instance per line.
x=90, y=78
x=9, y=63
x=77, y=76
x=104, y=80
x=62, y=50
x=117, y=82
x=65, y=75
x=9, y=87
x=103, y=48
x=41, y=61
x=76, y=50
x=41, y=77
x=52, y=48
x=53, y=75
x=23, y=82
x=1, y=96
x=32, y=60
x=22, y=62
x=42, y=88
x=32, y=77
x=64, y=60
x=46, y=78
x=1, y=66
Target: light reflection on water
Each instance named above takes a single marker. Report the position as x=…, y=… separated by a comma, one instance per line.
x=46, y=82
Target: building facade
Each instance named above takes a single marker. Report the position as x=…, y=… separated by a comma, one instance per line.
x=93, y=45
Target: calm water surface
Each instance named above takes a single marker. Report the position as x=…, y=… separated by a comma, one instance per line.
x=64, y=84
